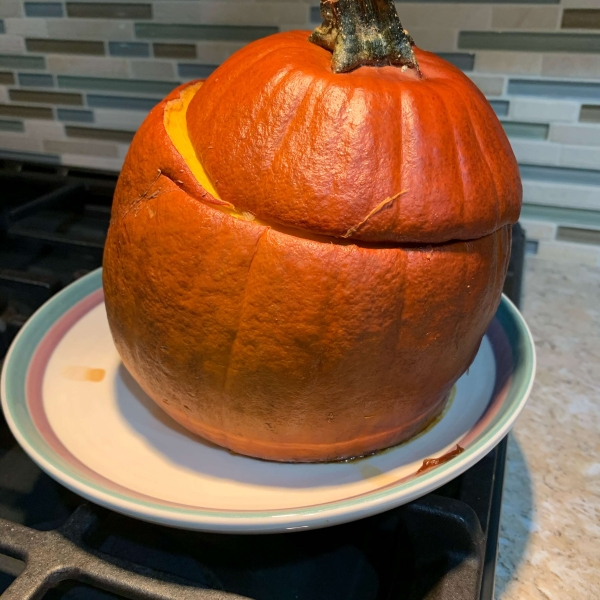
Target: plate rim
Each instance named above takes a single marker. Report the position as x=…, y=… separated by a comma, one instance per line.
x=255, y=521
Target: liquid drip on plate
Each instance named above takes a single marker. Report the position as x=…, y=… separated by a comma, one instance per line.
x=77, y=373
x=429, y=427
x=430, y=463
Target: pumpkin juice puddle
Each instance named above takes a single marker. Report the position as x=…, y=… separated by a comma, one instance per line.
x=324, y=252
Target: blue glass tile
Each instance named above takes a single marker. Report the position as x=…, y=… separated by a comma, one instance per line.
x=52, y=159
x=121, y=102
x=191, y=71
x=13, y=61
x=36, y=80
x=135, y=86
x=554, y=88
x=530, y=131
x=43, y=9
x=81, y=116
x=129, y=48
x=8, y=125
x=2, y=28
x=500, y=107
x=238, y=33
x=560, y=174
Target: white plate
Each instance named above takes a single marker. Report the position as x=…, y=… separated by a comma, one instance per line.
x=79, y=414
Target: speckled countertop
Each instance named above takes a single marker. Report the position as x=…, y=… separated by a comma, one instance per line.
x=550, y=532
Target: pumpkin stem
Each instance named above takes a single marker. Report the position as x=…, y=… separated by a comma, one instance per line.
x=363, y=32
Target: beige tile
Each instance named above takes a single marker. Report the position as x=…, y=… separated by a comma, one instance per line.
x=11, y=44
x=231, y=13
x=63, y=64
x=90, y=29
x=579, y=135
x=526, y=17
x=522, y=63
x=21, y=142
x=539, y=230
x=11, y=8
x=153, y=69
x=444, y=15
x=92, y=162
x=490, y=85
x=435, y=40
x=104, y=149
x=32, y=26
x=569, y=252
x=44, y=129
x=571, y=65
x=214, y=53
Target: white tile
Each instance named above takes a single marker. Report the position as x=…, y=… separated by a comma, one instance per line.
x=128, y=120
x=561, y=194
x=582, y=157
x=581, y=135
x=534, y=152
x=32, y=26
x=12, y=44
x=569, y=252
x=3, y=94
x=93, y=162
x=97, y=66
x=90, y=29
x=544, y=111
x=539, y=230
x=522, y=63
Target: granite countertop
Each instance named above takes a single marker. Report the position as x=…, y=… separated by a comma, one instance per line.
x=550, y=531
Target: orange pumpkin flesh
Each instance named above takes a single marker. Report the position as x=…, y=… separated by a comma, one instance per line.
x=276, y=340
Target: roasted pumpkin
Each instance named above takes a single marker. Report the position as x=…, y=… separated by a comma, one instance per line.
x=304, y=255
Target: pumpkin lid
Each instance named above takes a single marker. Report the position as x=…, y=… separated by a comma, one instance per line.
x=379, y=154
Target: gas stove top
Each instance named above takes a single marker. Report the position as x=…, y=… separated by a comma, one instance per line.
x=53, y=544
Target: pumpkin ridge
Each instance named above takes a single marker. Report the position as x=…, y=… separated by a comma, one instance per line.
x=452, y=127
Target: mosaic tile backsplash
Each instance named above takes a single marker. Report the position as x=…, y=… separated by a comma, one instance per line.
x=77, y=78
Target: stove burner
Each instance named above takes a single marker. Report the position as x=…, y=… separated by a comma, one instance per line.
x=443, y=546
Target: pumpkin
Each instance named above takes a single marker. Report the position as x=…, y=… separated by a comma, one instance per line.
x=304, y=254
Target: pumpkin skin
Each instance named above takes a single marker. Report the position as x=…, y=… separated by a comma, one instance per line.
x=288, y=140
x=276, y=341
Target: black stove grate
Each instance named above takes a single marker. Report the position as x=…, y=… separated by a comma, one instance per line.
x=53, y=222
